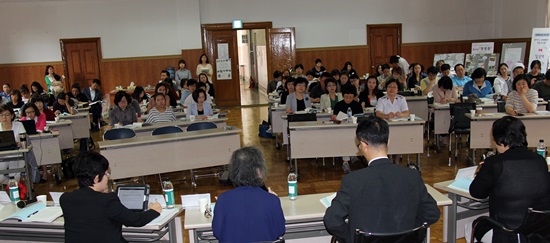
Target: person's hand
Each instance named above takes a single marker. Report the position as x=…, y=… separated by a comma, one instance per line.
x=139, y=120
x=202, y=117
x=57, y=112
x=155, y=206
x=271, y=191
x=391, y=115
x=333, y=117
x=63, y=76
x=533, y=81
x=398, y=114
x=523, y=91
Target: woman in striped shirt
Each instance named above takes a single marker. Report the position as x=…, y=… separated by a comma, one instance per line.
x=160, y=113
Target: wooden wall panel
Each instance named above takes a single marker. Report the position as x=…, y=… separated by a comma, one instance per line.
x=18, y=74
x=335, y=57
x=191, y=57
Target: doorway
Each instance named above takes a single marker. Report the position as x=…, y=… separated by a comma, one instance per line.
x=81, y=61
x=384, y=41
x=253, y=77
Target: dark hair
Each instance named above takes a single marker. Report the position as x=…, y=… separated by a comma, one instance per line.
x=277, y=74
x=24, y=88
x=200, y=58
x=299, y=65
x=394, y=59
x=535, y=62
x=445, y=82
x=335, y=72
x=4, y=107
x=348, y=89
x=499, y=66
x=374, y=131
x=247, y=167
x=57, y=77
x=16, y=92
x=318, y=61
x=165, y=72
x=87, y=166
x=326, y=75
x=445, y=67
x=378, y=66
x=397, y=70
x=432, y=70
x=331, y=80
x=290, y=80
x=182, y=61
x=547, y=75
x=7, y=84
x=509, y=131
x=310, y=72
x=385, y=66
x=38, y=86
x=200, y=85
x=169, y=83
x=120, y=94
x=354, y=76
x=196, y=94
x=158, y=94
x=202, y=74
x=300, y=80
x=518, y=78
x=191, y=82
x=421, y=70
x=458, y=65
x=36, y=98
x=439, y=63
x=479, y=73
x=48, y=67
x=62, y=96
x=75, y=85
x=31, y=105
x=346, y=65
x=96, y=81
x=137, y=92
x=391, y=80
x=161, y=84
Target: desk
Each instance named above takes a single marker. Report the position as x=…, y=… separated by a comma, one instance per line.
x=304, y=219
x=179, y=115
x=147, y=130
x=311, y=139
x=65, y=130
x=148, y=155
x=275, y=114
x=17, y=155
x=46, y=148
x=54, y=232
x=81, y=124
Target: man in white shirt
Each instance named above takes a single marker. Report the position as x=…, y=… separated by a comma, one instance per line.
x=401, y=62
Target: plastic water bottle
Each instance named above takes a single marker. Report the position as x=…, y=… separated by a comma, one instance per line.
x=168, y=189
x=349, y=114
x=23, y=186
x=292, y=185
x=541, y=149
x=14, y=190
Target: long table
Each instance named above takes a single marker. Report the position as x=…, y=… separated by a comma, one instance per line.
x=55, y=232
x=140, y=156
x=81, y=124
x=418, y=105
x=17, y=155
x=46, y=148
x=65, y=130
x=304, y=219
x=147, y=130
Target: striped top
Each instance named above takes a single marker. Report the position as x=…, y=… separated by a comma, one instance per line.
x=514, y=100
x=156, y=116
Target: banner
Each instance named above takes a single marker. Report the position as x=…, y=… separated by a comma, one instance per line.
x=540, y=48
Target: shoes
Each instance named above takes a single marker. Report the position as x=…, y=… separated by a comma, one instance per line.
x=345, y=167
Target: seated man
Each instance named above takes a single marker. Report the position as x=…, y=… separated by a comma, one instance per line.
x=76, y=95
x=544, y=87
x=94, y=94
x=320, y=89
x=349, y=92
x=386, y=74
x=275, y=82
x=460, y=78
x=6, y=89
x=446, y=70
x=188, y=87
x=427, y=84
x=382, y=198
x=91, y=213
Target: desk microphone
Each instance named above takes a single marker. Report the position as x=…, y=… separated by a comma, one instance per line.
x=23, y=203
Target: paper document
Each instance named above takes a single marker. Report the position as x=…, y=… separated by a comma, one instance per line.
x=462, y=184
x=341, y=116
x=46, y=215
x=55, y=197
x=192, y=201
x=4, y=198
x=166, y=213
x=26, y=212
x=153, y=198
x=326, y=201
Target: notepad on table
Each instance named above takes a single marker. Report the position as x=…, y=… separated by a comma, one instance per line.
x=326, y=201
x=462, y=184
x=25, y=212
x=46, y=215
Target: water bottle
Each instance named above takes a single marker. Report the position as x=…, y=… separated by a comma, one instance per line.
x=541, y=149
x=23, y=186
x=349, y=114
x=292, y=185
x=14, y=190
x=23, y=140
x=168, y=189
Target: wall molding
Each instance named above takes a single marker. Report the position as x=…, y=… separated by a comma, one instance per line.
x=332, y=48
x=30, y=64
x=513, y=40
x=141, y=58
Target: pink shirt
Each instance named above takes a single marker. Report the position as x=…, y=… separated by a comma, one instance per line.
x=40, y=121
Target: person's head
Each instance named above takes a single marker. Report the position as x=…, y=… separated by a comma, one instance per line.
x=445, y=69
x=394, y=60
x=344, y=78
x=347, y=66
x=445, y=83
x=161, y=88
x=417, y=69
x=16, y=96
x=30, y=111
x=169, y=83
x=509, y=132
x=122, y=99
x=349, y=92
x=300, y=85
x=535, y=67
x=396, y=72
x=502, y=69
x=182, y=64
x=335, y=73
x=201, y=85
x=247, y=167
x=479, y=75
x=289, y=85
x=61, y=98
x=432, y=72
x=460, y=71
x=518, y=69
x=310, y=75
x=372, y=84
x=75, y=90
x=164, y=75
x=318, y=63
x=203, y=78
x=331, y=84
x=96, y=83
x=160, y=100
x=25, y=92
x=286, y=73
x=191, y=85
x=49, y=70
x=379, y=69
x=199, y=96
x=299, y=69
x=386, y=70
x=392, y=87
x=57, y=77
x=277, y=75
x=323, y=77
x=373, y=134
x=6, y=88
x=91, y=170
x=520, y=81
x=138, y=93
x=37, y=88
x=203, y=59
x=6, y=114
x=38, y=102
x=438, y=64
x=354, y=80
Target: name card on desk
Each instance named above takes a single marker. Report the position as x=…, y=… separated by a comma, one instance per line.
x=55, y=197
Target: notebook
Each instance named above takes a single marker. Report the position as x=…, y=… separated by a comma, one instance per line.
x=30, y=127
x=134, y=197
x=464, y=178
x=7, y=141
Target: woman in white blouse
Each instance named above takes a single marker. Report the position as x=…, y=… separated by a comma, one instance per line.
x=502, y=80
x=204, y=67
x=7, y=123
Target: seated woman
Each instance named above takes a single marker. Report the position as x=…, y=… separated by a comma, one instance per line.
x=289, y=89
x=62, y=105
x=369, y=97
x=122, y=113
x=16, y=100
x=514, y=180
x=248, y=213
x=31, y=112
x=430, y=81
x=41, y=105
x=392, y=105
x=348, y=93
x=330, y=99
x=416, y=75
x=91, y=213
x=140, y=95
x=478, y=86
x=444, y=93
x=161, y=88
x=298, y=101
x=37, y=89
x=160, y=113
x=7, y=123
x=200, y=109
x=25, y=93
x=203, y=78
x=522, y=99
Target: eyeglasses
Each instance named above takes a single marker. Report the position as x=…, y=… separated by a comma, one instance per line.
x=392, y=87
x=30, y=111
x=5, y=115
x=331, y=85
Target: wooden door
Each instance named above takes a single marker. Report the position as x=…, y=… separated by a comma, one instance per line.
x=282, y=49
x=384, y=41
x=81, y=60
x=227, y=91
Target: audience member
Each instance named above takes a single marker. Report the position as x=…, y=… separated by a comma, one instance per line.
x=521, y=99
x=319, y=68
x=401, y=62
x=6, y=89
x=289, y=89
x=478, y=86
x=299, y=71
x=43, y=108
x=62, y=105
x=205, y=67
x=369, y=97
x=122, y=114
x=460, y=78
x=330, y=99
x=416, y=76
x=182, y=73
x=348, y=68
x=200, y=109
x=319, y=89
x=427, y=84
x=31, y=112
x=386, y=74
x=161, y=112
x=189, y=87
x=500, y=84
x=445, y=70
x=392, y=105
x=203, y=78
x=299, y=100
x=444, y=93
x=16, y=100
x=275, y=82
x=535, y=74
x=93, y=94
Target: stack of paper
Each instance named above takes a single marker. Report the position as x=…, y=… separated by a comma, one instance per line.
x=46, y=215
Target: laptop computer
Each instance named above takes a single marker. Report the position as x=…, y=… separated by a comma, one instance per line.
x=134, y=197
x=30, y=127
x=7, y=141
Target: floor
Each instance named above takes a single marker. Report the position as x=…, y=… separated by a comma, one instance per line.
x=252, y=96
x=314, y=177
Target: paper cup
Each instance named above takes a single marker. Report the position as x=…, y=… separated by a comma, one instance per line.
x=185, y=110
x=413, y=117
x=479, y=110
x=192, y=118
x=354, y=119
x=46, y=129
x=276, y=104
x=42, y=198
x=202, y=204
x=472, y=113
x=329, y=110
x=57, y=119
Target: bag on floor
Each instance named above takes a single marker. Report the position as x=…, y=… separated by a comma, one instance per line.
x=67, y=167
x=263, y=130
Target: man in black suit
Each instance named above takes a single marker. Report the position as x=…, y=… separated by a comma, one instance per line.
x=93, y=215
x=94, y=94
x=382, y=198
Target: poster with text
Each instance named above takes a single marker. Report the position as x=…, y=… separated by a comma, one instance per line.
x=223, y=69
x=489, y=62
x=540, y=46
x=483, y=47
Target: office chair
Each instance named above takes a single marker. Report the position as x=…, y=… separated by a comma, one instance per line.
x=416, y=235
x=460, y=124
x=118, y=133
x=535, y=227
x=196, y=127
x=297, y=118
x=167, y=130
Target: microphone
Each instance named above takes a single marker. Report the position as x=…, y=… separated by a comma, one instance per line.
x=23, y=203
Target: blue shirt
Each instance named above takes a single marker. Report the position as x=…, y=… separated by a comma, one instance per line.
x=471, y=88
x=459, y=82
x=184, y=94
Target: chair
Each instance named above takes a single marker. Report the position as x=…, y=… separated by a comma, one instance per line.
x=118, y=133
x=535, y=226
x=167, y=130
x=460, y=124
x=416, y=235
x=297, y=118
x=196, y=127
x=501, y=106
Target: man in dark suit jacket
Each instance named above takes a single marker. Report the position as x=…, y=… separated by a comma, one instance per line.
x=94, y=94
x=382, y=198
x=91, y=214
